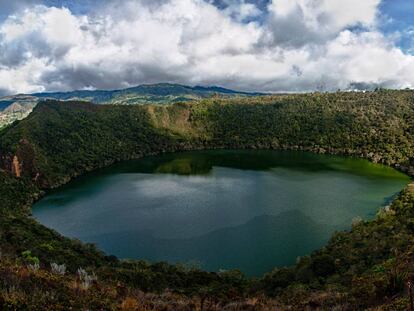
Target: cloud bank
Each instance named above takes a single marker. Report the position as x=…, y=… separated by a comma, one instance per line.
x=294, y=45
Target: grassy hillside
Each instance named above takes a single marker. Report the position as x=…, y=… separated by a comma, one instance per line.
x=367, y=266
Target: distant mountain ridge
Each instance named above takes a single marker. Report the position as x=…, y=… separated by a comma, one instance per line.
x=161, y=93
x=160, y=89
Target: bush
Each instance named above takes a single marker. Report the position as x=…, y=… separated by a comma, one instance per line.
x=29, y=258
x=323, y=265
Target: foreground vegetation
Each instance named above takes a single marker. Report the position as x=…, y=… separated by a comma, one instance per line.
x=366, y=267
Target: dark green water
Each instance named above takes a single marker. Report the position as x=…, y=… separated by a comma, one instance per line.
x=251, y=210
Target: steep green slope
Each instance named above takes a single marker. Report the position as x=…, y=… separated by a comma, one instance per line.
x=378, y=126
x=61, y=140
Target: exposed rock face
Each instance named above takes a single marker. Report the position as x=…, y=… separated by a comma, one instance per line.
x=16, y=167
x=21, y=163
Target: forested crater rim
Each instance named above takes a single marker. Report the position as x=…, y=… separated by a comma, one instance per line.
x=65, y=141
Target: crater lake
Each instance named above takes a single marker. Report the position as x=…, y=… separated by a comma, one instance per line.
x=251, y=210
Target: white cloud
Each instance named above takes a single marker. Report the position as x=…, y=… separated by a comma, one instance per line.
x=241, y=10
x=296, y=23
x=351, y=12
x=25, y=78
x=302, y=45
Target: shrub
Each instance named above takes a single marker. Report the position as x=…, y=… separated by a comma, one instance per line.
x=34, y=267
x=85, y=278
x=28, y=257
x=323, y=265
x=58, y=269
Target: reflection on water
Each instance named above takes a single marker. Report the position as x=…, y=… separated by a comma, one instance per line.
x=251, y=210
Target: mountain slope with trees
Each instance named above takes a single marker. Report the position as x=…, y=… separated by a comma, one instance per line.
x=161, y=93
x=366, y=267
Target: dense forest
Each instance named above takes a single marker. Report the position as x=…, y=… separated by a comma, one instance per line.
x=369, y=266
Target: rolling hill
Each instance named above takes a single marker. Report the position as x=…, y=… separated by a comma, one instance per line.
x=162, y=93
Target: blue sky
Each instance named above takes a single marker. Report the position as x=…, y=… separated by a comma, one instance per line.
x=400, y=14
x=263, y=45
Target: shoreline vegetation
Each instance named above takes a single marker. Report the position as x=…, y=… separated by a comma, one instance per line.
x=366, y=267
